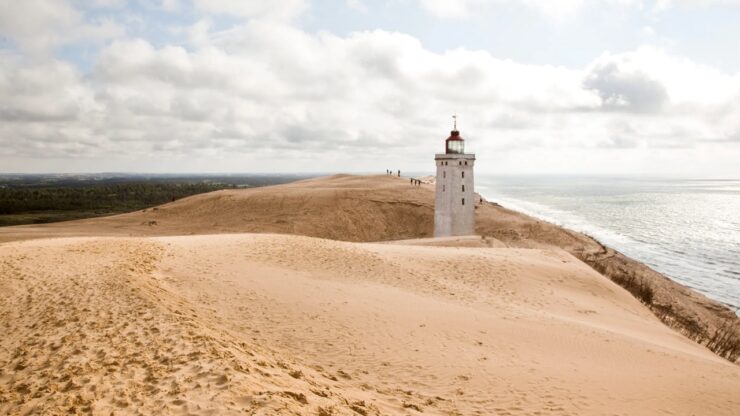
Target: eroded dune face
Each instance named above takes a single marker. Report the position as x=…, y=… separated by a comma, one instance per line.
x=269, y=324
x=341, y=207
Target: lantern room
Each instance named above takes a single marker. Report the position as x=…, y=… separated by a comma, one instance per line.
x=455, y=143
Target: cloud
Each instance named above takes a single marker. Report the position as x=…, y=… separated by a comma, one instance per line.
x=38, y=26
x=622, y=89
x=649, y=79
x=273, y=9
x=264, y=94
x=52, y=91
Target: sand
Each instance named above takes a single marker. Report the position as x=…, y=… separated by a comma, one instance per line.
x=137, y=319
x=386, y=208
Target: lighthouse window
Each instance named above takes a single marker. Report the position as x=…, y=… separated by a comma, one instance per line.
x=463, y=201
x=444, y=174
x=463, y=174
x=466, y=163
x=455, y=146
x=463, y=188
x=459, y=163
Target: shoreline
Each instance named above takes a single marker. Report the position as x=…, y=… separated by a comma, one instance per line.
x=695, y=315
x=519, y=205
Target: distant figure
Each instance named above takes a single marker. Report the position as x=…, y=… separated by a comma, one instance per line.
x=399, y=173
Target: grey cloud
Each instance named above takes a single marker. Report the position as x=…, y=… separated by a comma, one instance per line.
x=382, y=63
x=33, y=92
x=34, y=115
x=626, y=91
x=310, y=137
x=728, y=138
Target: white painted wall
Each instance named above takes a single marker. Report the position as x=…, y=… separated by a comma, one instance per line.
x=451, y=217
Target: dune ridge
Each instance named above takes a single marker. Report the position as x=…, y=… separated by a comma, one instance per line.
x=383, y=208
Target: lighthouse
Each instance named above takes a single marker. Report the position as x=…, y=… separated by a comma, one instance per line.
x=454, y=201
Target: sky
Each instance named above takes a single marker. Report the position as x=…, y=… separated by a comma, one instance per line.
x=567, y=87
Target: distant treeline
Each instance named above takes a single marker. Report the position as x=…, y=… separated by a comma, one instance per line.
x=118, y=197
x=49, y=204
x=30, y=200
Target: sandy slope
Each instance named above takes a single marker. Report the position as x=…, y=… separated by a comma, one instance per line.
x=220, y=324
x=377, y=208
x=341, y=207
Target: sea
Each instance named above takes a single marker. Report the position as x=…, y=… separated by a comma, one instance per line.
x=687, y=229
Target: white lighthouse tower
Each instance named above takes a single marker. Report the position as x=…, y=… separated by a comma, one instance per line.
x=454, y=202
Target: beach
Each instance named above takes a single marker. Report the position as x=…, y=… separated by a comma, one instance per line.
x=328, y=297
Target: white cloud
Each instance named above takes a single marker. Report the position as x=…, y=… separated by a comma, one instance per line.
x=273, y=9
x=441, y=8
x=687, y=83
x=267, y=95
x=52, y=91
x=38, y=26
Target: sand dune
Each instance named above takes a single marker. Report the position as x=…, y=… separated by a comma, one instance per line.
x=382, y=208
x=341, y=207
x=134, y=314
x=286, y=324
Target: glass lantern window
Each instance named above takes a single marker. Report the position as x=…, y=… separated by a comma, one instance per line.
x=455, y=146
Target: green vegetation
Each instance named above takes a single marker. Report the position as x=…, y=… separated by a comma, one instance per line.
x=35, y=199
x=48, y=204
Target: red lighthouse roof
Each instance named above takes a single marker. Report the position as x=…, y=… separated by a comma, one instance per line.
x=455, y=135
